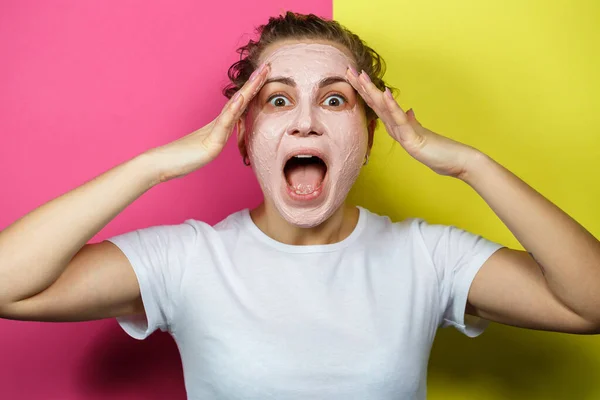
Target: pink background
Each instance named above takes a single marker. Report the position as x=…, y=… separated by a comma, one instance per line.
x=83, y=87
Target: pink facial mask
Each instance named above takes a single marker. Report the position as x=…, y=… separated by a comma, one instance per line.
x=308, y=154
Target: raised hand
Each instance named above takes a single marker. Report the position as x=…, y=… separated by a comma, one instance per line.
x=443, y=155
x=200, y=147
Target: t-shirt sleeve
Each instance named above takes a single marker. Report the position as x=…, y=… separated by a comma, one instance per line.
x=158, y=256
x=457, y=256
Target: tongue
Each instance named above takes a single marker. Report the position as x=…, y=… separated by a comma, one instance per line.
x=305, y=179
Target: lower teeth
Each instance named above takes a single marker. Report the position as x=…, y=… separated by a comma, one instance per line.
x=304, y=189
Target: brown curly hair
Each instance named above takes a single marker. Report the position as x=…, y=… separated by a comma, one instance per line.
x=301, y=26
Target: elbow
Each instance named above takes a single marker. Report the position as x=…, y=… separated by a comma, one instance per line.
x=4, y=311
x=592, y=327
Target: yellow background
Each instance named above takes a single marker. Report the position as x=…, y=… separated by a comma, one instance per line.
x=520, y=81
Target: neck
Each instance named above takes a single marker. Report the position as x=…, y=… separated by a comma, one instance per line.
x=335, y=229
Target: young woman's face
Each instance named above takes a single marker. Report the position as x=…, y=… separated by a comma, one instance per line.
x=307, y=132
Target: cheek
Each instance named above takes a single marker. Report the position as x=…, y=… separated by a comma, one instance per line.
x=253, y=124
x=263, y=133
x=270, y=125
x=349, y=130
x=251, y=119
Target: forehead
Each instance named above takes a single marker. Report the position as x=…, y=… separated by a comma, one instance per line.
x=306, y=59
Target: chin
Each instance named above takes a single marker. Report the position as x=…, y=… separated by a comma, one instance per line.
x=308, y=211
x=310, y=186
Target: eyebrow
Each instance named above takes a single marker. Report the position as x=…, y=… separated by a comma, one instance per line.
x=324, y=82
x=331, y=80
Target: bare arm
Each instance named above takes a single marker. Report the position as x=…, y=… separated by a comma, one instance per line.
x=35, y=250
x=98, y=283
x=555, y=284
x=559, y=289
x=47, y=272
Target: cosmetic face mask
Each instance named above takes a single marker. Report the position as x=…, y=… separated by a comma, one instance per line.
x=307, y=134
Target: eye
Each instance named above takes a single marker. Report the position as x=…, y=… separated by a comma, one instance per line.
x=279, y=101
x=334, y=101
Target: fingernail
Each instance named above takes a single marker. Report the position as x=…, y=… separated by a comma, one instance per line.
x=236, y=97
x=389, y=94
x=353, y=71
x=256, y=72
x=366, y=76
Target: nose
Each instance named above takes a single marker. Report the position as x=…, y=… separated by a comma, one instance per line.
x=303, y=123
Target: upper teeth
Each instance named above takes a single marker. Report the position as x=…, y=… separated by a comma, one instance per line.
x=303, y=156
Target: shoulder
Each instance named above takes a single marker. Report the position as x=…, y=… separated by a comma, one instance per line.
x=402, y=245
x=413, y=236
x=204, y=230
x=426, y=235
x=223, y=232
x=407, y=228
x=189, y=233
x=440, y=244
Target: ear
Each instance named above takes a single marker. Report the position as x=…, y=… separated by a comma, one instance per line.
x=240, y=126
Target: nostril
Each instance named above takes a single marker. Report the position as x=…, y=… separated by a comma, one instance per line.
x=303, y=132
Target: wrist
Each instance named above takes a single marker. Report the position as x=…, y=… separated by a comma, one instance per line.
x=148, y=165
x=475, y=167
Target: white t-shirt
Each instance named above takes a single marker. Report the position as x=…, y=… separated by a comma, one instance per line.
x=254, y=318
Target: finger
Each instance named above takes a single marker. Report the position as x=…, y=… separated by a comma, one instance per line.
x=353, y=79
x=254, y=83
x=402, y=128
x=250, y=88
x=398, y=115
x=378, y=100
x=234, y=109
x=371, y=94
x=411, y=114
x=382, y=111
x=392, y=115
x=231, y=114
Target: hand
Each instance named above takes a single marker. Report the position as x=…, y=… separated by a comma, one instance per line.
x=200, y=147
x=443, y=155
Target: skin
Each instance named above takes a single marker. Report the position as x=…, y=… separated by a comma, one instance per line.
x=306, y=103
x=342, y=132
x=555, y=283
x=49, y=273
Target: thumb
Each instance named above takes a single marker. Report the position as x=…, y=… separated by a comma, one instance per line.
x=411, y=114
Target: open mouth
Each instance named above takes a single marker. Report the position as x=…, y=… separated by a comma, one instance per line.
x=305, y=173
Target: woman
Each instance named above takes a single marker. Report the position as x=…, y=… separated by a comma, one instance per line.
x=306, y=296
